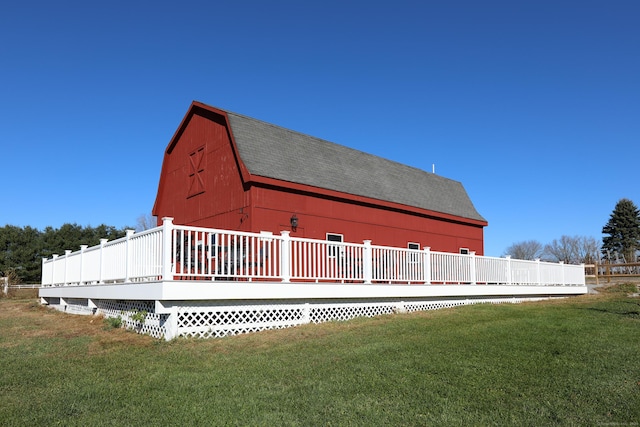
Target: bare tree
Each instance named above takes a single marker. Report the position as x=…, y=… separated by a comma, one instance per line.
x=565, y=249
x=146, y=222
x=588, y=250
x=528, y=249
x=573, y=250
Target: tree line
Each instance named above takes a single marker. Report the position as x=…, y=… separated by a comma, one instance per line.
x=620, y=243
x=568, y=249
x=22, y=248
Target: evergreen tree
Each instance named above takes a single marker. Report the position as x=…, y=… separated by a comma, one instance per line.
x=22, y=249
x=623, y=231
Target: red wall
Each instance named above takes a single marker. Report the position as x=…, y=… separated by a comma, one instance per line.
x=223, y=200
x=273, y=208
x=223, y=194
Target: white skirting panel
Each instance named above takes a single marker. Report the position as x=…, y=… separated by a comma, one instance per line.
x=207, y=319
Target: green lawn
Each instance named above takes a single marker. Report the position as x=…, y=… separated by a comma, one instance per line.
x=562, y=362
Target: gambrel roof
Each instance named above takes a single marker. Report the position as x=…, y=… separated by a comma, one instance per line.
x=275, y=152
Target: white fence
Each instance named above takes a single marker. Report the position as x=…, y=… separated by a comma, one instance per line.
x=172, y=252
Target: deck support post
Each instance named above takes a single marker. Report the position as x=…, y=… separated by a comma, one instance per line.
x=306, y=313
x=171, y=325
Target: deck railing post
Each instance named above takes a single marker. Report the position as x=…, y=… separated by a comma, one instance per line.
x=538, y=276
x=509, y=281
x=472, y=256
x=367, y=262
x=101, y=273
x=82, y=249
x=285, y=256
x=562, y=272
x=53, y=268
x=42, y=270
x=167, y=231
x=66, y=262
x=427, y=265
x=127, y=261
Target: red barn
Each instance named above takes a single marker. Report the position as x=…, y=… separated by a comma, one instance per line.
x=225, y=170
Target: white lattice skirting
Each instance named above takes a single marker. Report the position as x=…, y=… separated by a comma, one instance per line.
x=207, y=319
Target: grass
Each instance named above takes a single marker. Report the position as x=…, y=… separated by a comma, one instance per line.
x=560, y=362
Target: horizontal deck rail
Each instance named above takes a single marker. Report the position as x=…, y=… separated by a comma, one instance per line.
x=175, y=252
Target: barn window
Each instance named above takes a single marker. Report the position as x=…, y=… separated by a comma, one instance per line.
x=413, y=257
x=464, y=251
x=197, y=161
x=333, y=249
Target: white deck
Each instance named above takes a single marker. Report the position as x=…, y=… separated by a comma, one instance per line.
x=168, y=292
x=202, y=282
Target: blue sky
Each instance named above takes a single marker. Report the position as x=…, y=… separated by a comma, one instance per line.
x=533, y=105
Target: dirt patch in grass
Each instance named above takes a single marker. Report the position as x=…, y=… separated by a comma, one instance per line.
x=29, y=319
x=19, y=293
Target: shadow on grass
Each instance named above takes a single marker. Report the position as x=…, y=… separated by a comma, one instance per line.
x=622, y=308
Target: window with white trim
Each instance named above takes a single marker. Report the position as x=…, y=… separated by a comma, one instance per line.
x=414, y=258
x=333, y=249
x=464, y=251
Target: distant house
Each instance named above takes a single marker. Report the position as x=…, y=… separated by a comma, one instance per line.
x=226, y=170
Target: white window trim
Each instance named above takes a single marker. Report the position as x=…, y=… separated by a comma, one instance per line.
x=335, y=234
x=331, y=250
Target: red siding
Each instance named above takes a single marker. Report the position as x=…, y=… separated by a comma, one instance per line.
x=223, y=196
x=319, y=215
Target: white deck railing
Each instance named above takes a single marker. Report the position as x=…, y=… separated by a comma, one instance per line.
x=173, y=252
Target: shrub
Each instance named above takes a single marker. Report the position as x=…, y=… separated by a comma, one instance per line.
x=113, y=322
x=138, y=316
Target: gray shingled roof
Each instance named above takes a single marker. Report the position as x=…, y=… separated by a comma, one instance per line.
x=275, y=152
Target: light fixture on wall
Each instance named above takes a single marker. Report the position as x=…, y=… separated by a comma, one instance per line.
x=244, y=215
x=294, y=222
